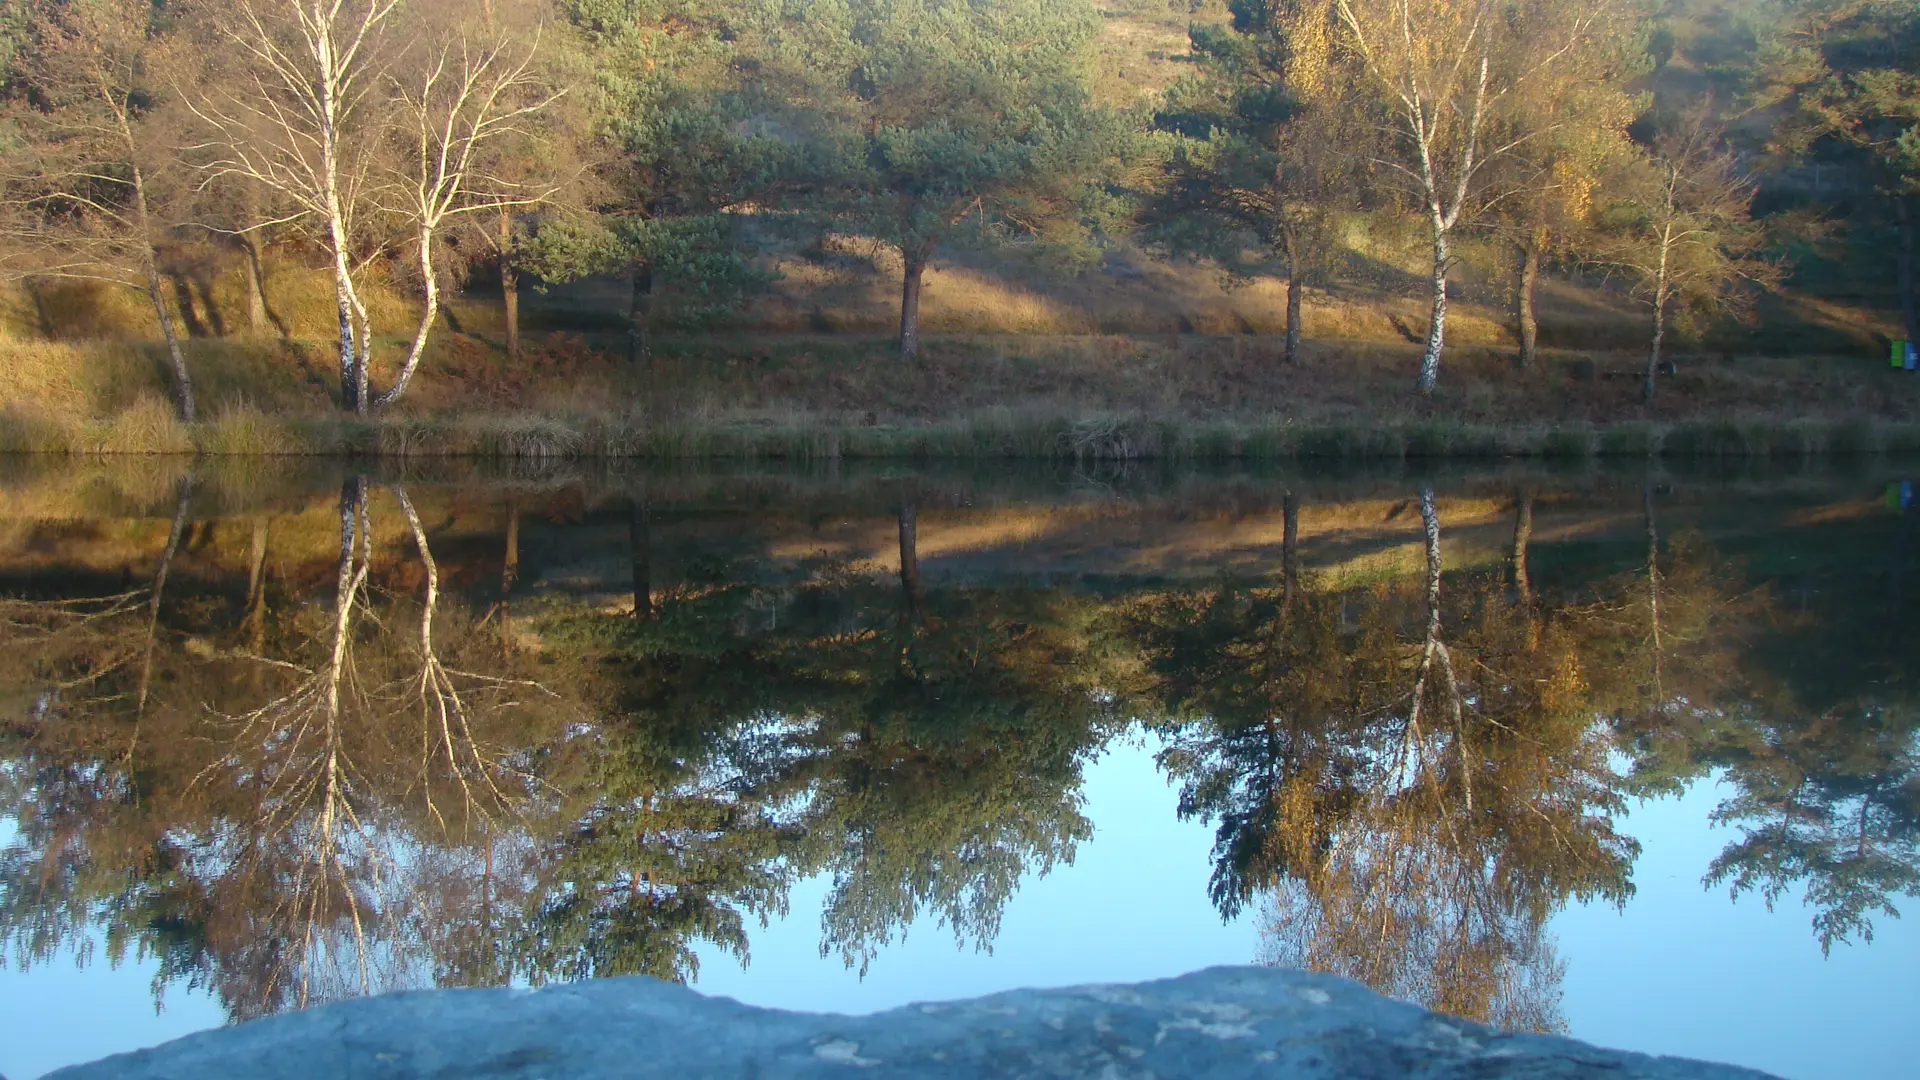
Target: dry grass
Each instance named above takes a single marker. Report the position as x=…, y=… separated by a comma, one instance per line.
x=242, y=430
x=1142, y=359
x=208, y=298
x=148, y=426
x=1106, y=397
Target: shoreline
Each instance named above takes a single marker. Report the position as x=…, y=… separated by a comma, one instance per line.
x=998, y=435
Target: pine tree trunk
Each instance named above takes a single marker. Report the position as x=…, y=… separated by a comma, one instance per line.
x=1528, y=326
x=910, y=555
x=1909, y=303
x=1294, y=289
x=1437, y=323
x=916, y=259
x=509, y=286
x=639, y=312
x=640, y=547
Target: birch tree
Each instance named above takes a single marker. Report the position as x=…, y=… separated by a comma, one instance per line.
x=77, y=183
x=470, y=96
x=1449, y=74
x=300, y=119
x=1682, y=230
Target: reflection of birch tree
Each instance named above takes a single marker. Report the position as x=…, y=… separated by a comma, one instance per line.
x=1481, y=810
x=182, y=505
x=309, y=834
x=447, y=699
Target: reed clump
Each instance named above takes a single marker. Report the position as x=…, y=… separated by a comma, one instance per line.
x=148, y=426
x=243, y=430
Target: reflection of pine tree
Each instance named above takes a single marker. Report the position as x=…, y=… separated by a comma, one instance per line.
x=1258, y=684
x=665, y=855
x=945, y=763
x=1831, y=801
x=1700, y=670
x=667, y=837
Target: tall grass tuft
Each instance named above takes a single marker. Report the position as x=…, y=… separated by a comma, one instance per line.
x=148, y=426
x=242, y=430
x=530, y=437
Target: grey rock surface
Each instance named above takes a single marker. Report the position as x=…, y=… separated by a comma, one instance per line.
x=1211, y=1025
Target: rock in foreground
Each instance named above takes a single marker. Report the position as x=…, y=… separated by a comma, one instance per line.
x=1219, y=1023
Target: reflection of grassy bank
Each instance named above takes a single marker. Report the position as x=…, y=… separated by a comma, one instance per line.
x=999, y=521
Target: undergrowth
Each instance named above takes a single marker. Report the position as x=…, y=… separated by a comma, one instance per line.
x=150, y=427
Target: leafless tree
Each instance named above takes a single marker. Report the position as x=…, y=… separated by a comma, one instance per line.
x=471, y=94
x=76, y=193
x=301, y=119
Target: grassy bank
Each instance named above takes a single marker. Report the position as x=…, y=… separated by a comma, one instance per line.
x=149, y=428
x=829, y=396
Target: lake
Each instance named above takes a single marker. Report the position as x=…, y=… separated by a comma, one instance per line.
x=1622, y=752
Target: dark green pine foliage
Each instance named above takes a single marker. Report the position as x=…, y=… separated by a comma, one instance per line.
x=1266, y=151
x=1840, y=84
x=946, y=767
x=957, y=122
x=690, y=143
x=674, y=841
x=1261, y=735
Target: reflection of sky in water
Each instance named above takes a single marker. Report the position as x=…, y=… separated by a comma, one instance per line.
x=1681, y=971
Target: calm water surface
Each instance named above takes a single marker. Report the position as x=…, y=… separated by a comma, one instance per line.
x=1624, y=754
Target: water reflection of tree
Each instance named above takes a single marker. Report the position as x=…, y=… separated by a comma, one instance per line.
x=945, y=764
x=921, y=748
x=270, y=837
x=1418, y=810
x=373, y=790
x=1803, y=714
x=76, y=674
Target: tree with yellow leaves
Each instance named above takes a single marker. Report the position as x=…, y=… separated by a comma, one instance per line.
x=1454, y=80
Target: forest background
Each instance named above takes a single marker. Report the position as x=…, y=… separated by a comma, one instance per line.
x=1034, y=227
